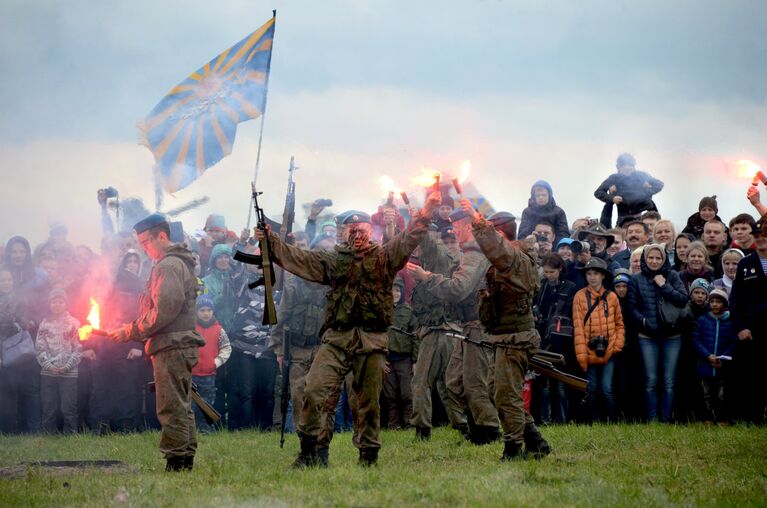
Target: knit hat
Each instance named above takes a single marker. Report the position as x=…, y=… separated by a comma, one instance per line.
x=448, y=234
x=622, y=276
x=721, y=294
x=57, y=293
x=204, y=301
x=448, y=201
x=708, y=202
x=700, y=284
x=215, y=221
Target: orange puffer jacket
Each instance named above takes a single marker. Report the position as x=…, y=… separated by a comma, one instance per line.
x=609, y=325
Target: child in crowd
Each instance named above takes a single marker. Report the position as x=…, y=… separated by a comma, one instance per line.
x=58, y=352
x=741, y=227
x=707, y=210
x=699, y=290
x=599, y=333
x=213, y=355
x=714, y=338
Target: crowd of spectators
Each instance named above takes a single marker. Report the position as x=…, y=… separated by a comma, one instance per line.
x=665, y=326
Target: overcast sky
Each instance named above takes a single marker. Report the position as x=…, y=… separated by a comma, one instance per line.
x=361, y=89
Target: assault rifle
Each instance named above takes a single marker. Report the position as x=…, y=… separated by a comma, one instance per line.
x=543, y=362
x=288, y=217
x=211, y=415
x=264, y=260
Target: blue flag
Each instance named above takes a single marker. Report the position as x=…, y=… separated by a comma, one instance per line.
x=194, y=125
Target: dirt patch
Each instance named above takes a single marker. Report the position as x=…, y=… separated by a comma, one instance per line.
x=59, y=468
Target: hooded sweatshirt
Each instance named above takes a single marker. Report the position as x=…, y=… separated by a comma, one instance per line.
x=220, y=286
x=549, y=212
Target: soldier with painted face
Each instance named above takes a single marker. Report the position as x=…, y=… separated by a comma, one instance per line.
x=468, y=374
x=506, y=311
x=358, y=313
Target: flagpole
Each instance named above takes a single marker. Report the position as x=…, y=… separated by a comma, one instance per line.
x=263, y=116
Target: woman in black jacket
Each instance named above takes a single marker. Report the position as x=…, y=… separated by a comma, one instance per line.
x=659, y=342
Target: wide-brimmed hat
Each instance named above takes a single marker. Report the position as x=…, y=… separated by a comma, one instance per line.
x=598, y=264
x=597, y=230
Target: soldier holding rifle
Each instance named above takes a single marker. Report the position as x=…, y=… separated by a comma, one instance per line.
x=358, y=313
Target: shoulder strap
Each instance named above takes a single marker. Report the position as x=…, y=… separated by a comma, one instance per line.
x=591, y=306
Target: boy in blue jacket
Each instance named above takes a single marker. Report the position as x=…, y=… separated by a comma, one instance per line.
x=714, y=338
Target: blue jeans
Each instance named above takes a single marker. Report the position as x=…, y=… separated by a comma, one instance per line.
x=601, y=381
x=660, y=356
x=553, y=401
x=206, y=387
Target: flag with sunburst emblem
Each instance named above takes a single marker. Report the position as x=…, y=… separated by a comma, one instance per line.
x=194, y=125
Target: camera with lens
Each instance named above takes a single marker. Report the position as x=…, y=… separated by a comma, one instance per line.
x=579, y=246
x=324, y=202
x=541, y=237
x=598, y=345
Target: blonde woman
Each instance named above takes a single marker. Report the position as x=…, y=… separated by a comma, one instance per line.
x=636, y=259
x=664, y=233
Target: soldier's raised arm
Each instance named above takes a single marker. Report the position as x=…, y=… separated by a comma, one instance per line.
x=399, y=248
x=309, y=265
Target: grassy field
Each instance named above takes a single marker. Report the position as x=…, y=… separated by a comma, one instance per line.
x=619, y=465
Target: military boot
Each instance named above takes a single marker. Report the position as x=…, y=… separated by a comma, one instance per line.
x=535, y=445
x=512, y=451
x=368, y=457
x=174, y=465
x=188, y=462
x=322, y=457
x=423, y=433
x=484, y=434
x=307, y=457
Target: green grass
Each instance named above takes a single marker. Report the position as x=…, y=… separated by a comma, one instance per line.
x=618, y=465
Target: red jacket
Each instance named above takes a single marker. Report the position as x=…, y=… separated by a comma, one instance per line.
x=206, y=365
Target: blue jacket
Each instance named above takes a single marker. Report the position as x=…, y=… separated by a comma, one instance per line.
x=549, y=212
x=713, y=336
x=644, y=298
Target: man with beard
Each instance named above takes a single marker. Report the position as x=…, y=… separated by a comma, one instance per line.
x=357, y=316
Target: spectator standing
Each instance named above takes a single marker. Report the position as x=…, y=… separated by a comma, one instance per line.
x=748, y=307
x=659, y=342
x=715, y=240
x=697, y=266
x=599, y=334
x=741, y=227
x=213, y=355
x=681, y=245
x=403, y=351
x=730, y=260
x=58, y=353
x=714, y=338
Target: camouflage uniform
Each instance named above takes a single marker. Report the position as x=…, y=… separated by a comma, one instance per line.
x=437, y=334
x=468, y=375
x=300, y=317
x=357, y=316
x=403, y=350
x=506, y=311
x=167, y=324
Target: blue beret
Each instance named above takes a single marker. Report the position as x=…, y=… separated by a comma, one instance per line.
x=341, y=217
x=448, y=234
x=149, y=222
x=356, y=217
x=458, y=215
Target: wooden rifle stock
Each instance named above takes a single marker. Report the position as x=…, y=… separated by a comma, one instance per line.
x=211, y=415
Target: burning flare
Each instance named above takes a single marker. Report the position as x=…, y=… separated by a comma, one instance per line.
x=387, y=185
x=465, y=170
x=93, y=320
x=747, y=168
x=426, y=178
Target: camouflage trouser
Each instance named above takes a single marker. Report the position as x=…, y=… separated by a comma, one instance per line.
x=478, y=382
x=173, y=383
x=510, y=368
x=433, y=356
x=456, y=396
x=301, y=359
x=323, y=384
